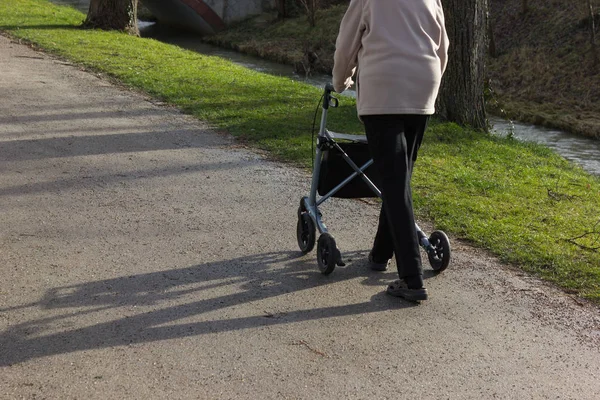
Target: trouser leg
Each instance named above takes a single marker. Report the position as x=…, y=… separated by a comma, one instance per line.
x=394, y=141
x=383, y=246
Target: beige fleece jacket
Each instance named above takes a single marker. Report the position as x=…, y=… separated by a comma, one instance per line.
x=400, y=48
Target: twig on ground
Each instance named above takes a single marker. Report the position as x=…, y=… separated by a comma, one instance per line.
x=560, y=196
x=595, y=238
x=303, y=343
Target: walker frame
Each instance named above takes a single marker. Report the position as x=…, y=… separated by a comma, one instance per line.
x=437, y=246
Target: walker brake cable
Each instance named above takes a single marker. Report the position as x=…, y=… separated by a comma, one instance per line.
x=312, y=137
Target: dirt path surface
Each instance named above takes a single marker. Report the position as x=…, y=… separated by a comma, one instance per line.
x=144, y=256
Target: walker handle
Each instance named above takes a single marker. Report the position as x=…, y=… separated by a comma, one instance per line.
x=329, y=88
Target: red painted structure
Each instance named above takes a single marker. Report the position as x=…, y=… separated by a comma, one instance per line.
x=206, y=13
x=193, y=15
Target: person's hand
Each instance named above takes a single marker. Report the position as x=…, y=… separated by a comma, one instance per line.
x=348, y=82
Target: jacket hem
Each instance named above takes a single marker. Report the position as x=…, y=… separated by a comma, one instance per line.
x=384, y=111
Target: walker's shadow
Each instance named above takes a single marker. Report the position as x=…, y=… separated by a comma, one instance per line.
x=256, y=277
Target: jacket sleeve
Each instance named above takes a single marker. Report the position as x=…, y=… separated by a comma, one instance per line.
x=347, y=45
x=442, y=51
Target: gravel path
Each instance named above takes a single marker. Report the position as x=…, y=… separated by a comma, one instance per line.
x=145, y=256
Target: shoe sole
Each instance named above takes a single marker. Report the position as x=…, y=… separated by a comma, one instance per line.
x=381, y=267
x=378, y=267
x=409, y=294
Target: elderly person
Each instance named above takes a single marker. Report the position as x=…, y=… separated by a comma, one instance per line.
x=397, y=51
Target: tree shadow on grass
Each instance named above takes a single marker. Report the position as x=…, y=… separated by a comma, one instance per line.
x=163, y=299
x=41, y=26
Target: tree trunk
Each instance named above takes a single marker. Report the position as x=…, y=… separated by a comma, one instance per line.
x=281, y=9
x=524, y=6
x=461, y=98
x=113, y=15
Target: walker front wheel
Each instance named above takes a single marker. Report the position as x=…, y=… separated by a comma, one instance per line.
x=439, y=252
x=305, y=232
x=327, y=253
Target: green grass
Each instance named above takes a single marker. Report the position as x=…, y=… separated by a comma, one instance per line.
x=521, y=201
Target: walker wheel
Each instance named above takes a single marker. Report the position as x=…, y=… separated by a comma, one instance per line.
x=439, y=253
x=327, y=253
x=305, y=232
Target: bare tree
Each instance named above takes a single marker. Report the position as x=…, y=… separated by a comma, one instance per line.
x=461, y=98
x=491, y=37
x=113, y=15
x=524, y=6
x=593, y=32
x=311, y=7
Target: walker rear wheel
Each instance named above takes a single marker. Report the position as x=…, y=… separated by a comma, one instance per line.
x=327, y=253
x=439, y=253
x=305, y=232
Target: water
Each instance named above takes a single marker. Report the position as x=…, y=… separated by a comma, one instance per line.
x=581, y=150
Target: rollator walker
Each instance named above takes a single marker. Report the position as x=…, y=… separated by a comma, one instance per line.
x=334, y=172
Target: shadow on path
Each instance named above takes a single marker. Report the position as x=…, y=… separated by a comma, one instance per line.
x=95, y=180
x=73, y=146
x=251, y=278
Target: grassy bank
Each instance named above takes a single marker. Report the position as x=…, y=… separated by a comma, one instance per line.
x=523, y=202
x=542, y=71
x=291, y=41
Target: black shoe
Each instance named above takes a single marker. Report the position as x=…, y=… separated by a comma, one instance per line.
x=400, y=289
x=377, y=266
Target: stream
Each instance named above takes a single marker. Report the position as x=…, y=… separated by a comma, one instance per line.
x=579, y=149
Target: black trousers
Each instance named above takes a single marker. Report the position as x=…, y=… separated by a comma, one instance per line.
x=394, y=142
